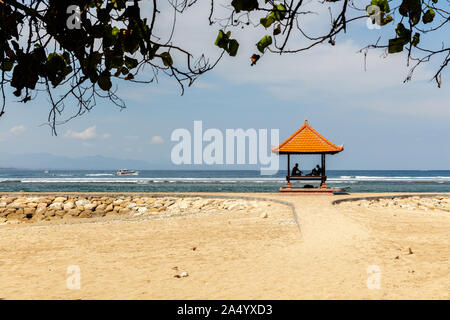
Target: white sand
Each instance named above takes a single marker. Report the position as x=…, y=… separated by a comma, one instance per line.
x=237, y=255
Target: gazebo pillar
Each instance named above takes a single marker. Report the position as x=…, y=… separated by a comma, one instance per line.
x=323, y=182
x=288, y=182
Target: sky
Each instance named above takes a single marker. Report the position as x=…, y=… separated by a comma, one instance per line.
x=382, y=122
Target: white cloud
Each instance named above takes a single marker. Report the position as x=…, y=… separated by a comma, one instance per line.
x=106, y=136
x=18, y=129
x=87, y=134
x=157, y=140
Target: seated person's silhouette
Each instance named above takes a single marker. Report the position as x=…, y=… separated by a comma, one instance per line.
x=317, y=171
x=296, y=171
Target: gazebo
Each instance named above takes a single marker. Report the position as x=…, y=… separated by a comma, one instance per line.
x=306, y=140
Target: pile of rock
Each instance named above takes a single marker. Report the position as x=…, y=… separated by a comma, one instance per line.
x=409, y=203
x=39, y=208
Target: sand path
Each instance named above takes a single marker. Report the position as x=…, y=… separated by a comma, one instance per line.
x=236, y=256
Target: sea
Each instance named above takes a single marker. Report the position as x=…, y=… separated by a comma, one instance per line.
x=14, y=180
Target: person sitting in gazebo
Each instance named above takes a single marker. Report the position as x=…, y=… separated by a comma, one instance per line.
x=296, y=171
x=317, y=171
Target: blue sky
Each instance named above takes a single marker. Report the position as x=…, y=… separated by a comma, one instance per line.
x=383, y=123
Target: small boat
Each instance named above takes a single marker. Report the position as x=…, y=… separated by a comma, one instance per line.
x=126, y=172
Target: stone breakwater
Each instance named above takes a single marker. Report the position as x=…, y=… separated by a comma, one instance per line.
x=438, y=203
x=17, y=209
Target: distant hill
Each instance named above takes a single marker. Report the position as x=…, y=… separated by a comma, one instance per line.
x=50, y=161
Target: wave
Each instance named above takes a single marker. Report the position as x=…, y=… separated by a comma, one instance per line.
x=389, y=179
x=98, y=174
x=97, y=178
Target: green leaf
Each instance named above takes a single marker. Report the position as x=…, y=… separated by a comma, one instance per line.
x=267, y=21
x=166, y=59
x=7, y=65
x=264, y=43
x=411, y=9
x=244, y=5
x=279, y=12
x=403, y=33
x=428, y=16
x=131, y=62
x=382, y=4
x=386, y=20
x=395, y=45
x=115, y=32
x=104, y=81
x=416, y=39
x=221, y=40
x=233, y=47
x=224, y=42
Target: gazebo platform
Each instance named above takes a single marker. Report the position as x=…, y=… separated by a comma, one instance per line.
x=309, y=190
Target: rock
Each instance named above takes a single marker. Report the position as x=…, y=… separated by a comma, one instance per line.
x=29, y=211
x=124, y=204
x=60, y=199
x=60, y=213
x=82, y=202
x=184, y=274
x=184, y=204
x=142, y=210
x=101, y=207
x=98, y=213
x=117, y=202
x=56, y=205
x=74, y=212
x=49, y=213
x=131, y=205
x=109, y=208
x=40, y=210
x=16, y=215
x=157, y=204
x=90, y=206
x=168, y=203
x=8, y=200
x=86, y=214
x=68, y=205
x=17, y=205
x=201, y=203
x=124, y=211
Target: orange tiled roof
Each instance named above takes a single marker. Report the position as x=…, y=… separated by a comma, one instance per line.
x=307, y=140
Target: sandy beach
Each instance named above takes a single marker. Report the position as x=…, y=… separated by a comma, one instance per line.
x=252, y=253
